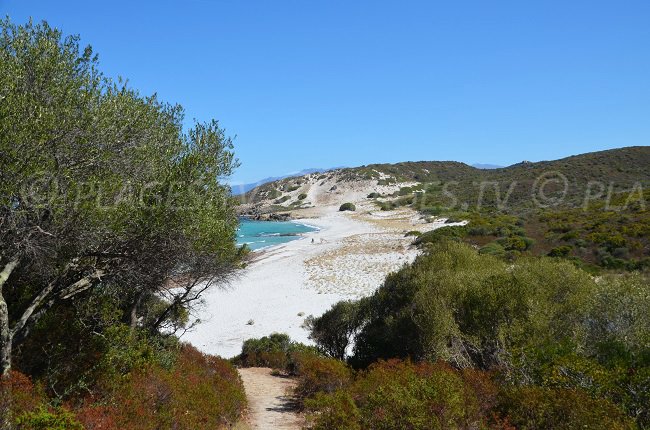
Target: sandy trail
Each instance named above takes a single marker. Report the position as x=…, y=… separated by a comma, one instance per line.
x=270, y=406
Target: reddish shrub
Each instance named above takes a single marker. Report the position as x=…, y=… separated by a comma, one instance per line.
x=318, y=374
x=398, y=394
x=200, y=392
x=18, y=395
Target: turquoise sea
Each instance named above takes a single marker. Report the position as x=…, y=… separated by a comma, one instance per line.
x=262, y=234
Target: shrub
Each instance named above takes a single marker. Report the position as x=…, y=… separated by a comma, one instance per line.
x=317, y=374
x=268, y=351
x=273, y=351
x=44, y=419
x=401, y=395
x=494, y=249
x=333, y=331
x=413, y=233
x=199, y=392
x=544, y=408
x=302, y=196
x=432, y=210
x=512, y=243
x=282, y=200
x=18, y=395
x=336, y=411
x=560, y=251
x=347, y=207
x=453, y=300
x=374, y=195
x=404, y=191
x=453, y=232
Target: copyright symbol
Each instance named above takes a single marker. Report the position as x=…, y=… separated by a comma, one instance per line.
x=550, y=189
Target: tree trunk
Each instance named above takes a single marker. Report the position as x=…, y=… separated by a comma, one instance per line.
x=6, y=340
x=133, y=317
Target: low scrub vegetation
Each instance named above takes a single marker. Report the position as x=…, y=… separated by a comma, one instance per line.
x=184, y=389
x=347, y=207
x=535, y=343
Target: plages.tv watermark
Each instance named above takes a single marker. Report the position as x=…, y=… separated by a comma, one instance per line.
x=548, y=190
x=104, y=195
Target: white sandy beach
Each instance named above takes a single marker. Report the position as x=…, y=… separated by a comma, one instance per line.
x=350, y=256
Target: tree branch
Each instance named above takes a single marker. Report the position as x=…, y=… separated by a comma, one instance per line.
x=6, y=271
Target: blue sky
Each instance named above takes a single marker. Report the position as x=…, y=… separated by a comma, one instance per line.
x=308, y=83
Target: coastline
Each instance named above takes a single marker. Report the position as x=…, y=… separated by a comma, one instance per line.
x=346, y=258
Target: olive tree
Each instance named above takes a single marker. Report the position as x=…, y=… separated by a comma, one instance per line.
x=101, y=188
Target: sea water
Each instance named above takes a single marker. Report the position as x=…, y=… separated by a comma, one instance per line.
x=262, y=234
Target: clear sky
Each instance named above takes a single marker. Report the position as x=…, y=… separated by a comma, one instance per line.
x=321, y=83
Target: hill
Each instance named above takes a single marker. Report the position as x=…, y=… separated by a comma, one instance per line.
x=566, y=183
x=239, y=189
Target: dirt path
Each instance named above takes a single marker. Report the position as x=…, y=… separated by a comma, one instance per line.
x=270, y=407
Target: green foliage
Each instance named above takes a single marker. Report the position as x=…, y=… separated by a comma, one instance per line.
x=273, y=351
x=560, y=251
x=336, y=411
x=268, y=351
x=282, y=200
x=454, y=300
x=512, y=243
x=44, y=419
x=537, y=320
x=401, y=395
x=273, y=193
x=415, y=233
x=302, y=196
x=440, y=234
x=333, y=331
x=318, y=374
x=374, y=195
x=494, y=249
x=105, y=198
x=347, y=207
x=542, y=408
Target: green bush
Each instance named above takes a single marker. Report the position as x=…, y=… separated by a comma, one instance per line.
x=453, y=232
x=282, y=200
x=302, y=196
x=512, y=243
x=374, y=195
x=273, y=351
x=413, y=233
x=44, y=419
x=453, y=300
x=560, y=251
x=333, y=331
x=544, y=408
x=336, y=411
x=494, y=249
x=318, y=374
x=268, y=351
x=401, y=395
x=347, y=207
